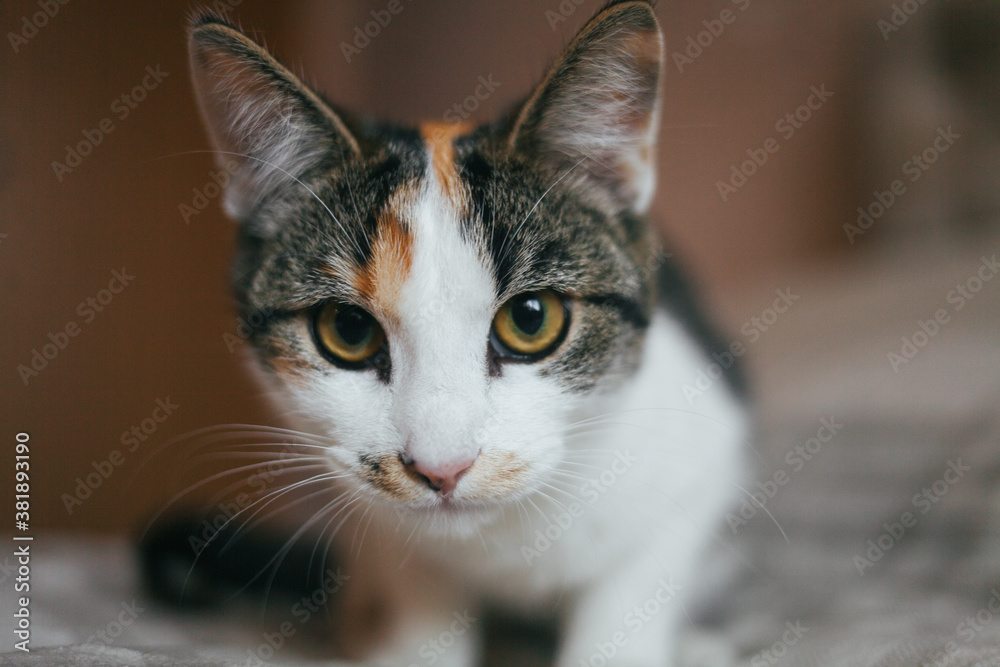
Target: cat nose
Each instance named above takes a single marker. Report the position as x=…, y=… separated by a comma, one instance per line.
x=441, y=477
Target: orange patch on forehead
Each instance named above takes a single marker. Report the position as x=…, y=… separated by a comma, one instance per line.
x=440, y=138
x=381, y=280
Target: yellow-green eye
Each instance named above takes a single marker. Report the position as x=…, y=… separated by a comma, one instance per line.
x=348, y=333
x=530, y=324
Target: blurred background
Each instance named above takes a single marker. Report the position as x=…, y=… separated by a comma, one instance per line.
x=117, y=330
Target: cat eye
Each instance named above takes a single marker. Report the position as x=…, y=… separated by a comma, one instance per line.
x=348, y=334
x=530, y=325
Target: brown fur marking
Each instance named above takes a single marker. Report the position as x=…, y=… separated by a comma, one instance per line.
x=388, y=474
x=380, y=281
x=440, y=139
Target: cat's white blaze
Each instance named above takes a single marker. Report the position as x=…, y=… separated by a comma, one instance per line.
x=441, y=405
x=439, y=349
x=445, y=403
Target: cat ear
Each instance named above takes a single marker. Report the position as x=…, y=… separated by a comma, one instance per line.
x=269, y=129
x=596, y=111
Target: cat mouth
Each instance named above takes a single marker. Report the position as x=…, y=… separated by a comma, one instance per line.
x=491, y=481
x=447, y=504
x=450, y=507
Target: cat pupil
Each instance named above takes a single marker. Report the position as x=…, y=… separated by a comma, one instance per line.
x=528, y=315
x=353, y=326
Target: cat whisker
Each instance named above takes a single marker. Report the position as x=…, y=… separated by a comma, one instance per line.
x=746, y=442
x=371, y=516
x=226, y=431
x=291, y=176
x=232, y=540
x=269, y=458
x=336, y=512
x=505, y=248
x=269, y=499
x=283, y=446
x=228, y=489
x=198, y=485
x=715, y=538
x=279, y=557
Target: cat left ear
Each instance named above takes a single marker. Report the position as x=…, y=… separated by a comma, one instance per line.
x=596, y=112
x=260, y=116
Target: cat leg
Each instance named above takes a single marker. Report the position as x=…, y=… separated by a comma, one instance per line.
x=627, y=619
x=444, y=636
x=422, y=616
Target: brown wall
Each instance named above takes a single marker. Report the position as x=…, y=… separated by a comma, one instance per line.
x=162, y=336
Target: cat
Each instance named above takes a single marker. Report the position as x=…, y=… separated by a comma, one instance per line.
x=480, y=330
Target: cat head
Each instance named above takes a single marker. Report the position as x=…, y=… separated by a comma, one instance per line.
x=438, y=301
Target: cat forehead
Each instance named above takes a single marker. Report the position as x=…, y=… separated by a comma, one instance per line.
x=413, y=241
x=450, y=188
x=420, y=249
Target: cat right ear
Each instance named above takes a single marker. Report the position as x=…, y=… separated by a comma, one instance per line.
x=260, y=117
x=596, y=110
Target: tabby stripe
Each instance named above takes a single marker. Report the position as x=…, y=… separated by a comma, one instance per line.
x=631, y=311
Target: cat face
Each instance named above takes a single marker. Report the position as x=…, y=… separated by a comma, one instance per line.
x=441, y=301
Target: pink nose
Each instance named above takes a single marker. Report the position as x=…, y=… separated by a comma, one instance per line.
x=441, y=477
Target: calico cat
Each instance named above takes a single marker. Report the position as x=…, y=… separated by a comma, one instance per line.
x=465, y=318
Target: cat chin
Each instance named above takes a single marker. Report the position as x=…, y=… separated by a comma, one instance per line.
x=455, y=519
x=458, y=523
